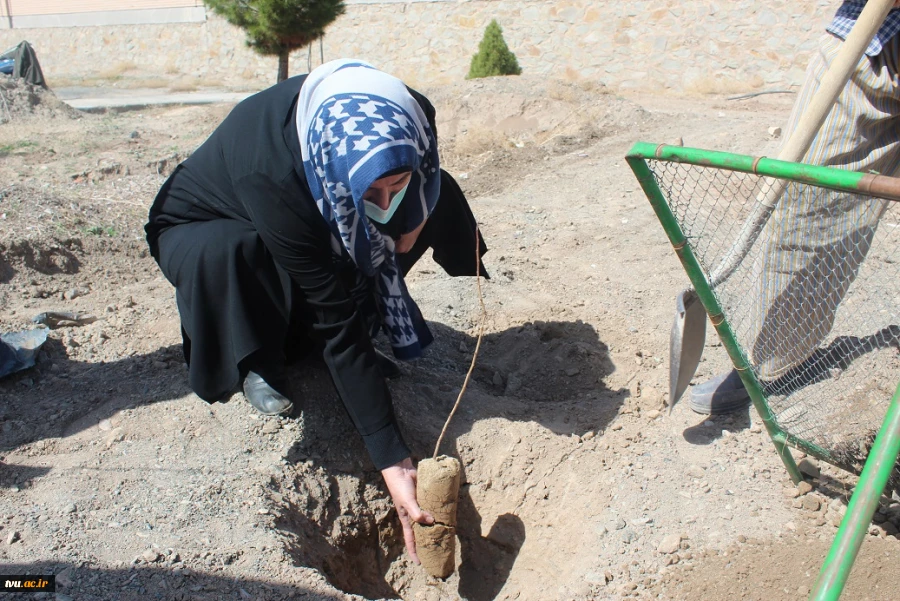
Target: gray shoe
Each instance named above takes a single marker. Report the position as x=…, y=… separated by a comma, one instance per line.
x=264, y=397
x=724, y=393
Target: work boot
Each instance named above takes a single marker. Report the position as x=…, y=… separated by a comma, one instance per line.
x=386, y=366
x=724, y=393
x=264, y=397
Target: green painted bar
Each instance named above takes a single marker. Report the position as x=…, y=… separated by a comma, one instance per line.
x=854, y=527
x=827, y=177
x=779, y=437
x=711, y=304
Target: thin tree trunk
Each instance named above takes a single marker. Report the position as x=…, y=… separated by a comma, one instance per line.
x=282, y=66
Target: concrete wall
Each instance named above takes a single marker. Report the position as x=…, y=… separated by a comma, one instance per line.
x=676, y=45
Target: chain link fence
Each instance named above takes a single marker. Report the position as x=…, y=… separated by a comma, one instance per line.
x=814, y=304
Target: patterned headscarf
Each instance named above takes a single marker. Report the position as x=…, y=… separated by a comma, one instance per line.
x=356, y=124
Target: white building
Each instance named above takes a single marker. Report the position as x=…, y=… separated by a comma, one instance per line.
x=24, y=14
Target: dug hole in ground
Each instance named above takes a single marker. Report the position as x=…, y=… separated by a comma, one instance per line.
x=574, y=484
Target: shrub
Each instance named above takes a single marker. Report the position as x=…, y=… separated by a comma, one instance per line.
x=494, y=57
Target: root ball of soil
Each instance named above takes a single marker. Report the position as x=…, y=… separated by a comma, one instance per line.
x=438, y=494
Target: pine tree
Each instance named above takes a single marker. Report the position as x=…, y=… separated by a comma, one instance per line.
x=494, y=57
x=276, y=27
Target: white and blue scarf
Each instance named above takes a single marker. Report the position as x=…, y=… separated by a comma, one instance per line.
x=356, y=124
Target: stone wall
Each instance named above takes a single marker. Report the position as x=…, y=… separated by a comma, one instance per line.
x=683, y=46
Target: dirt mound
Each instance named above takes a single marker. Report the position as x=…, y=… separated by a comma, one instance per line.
x=20, y=100
x=528, y=110
x=496, y=129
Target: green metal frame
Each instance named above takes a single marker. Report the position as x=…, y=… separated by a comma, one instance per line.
x=826, y=177
x=883, y=455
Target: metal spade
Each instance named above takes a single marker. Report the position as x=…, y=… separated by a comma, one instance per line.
x=685, y=343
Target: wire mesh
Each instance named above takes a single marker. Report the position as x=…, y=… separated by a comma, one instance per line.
x=814, y=305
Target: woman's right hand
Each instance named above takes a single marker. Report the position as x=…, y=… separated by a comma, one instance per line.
x=400, y=479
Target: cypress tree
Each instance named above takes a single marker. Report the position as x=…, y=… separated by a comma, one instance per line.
x=494, y=57
x=276, y=27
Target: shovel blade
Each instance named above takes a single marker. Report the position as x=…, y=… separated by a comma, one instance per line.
x=685, y=343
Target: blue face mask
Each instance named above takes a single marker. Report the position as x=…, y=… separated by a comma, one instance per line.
x=382, y=216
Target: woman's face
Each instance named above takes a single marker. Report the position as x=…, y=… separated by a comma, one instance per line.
x=383, y=190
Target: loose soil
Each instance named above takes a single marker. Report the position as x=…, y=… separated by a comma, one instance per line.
x=576, y=485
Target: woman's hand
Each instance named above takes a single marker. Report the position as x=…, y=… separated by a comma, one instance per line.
x=405, y=243
x=401, y=482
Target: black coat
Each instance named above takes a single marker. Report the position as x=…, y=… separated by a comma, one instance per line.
x=237, y=232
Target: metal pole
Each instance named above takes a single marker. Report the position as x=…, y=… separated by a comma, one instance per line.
x=711, y=304
x=881, y=462
x=9, y=14
x=825, y=177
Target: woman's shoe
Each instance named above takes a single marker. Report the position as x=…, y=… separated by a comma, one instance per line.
x=264, y=397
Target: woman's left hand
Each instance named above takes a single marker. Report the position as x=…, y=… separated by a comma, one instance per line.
x=405, y=243
x=400, y=479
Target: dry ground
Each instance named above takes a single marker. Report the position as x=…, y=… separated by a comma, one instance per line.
x=117, y=478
